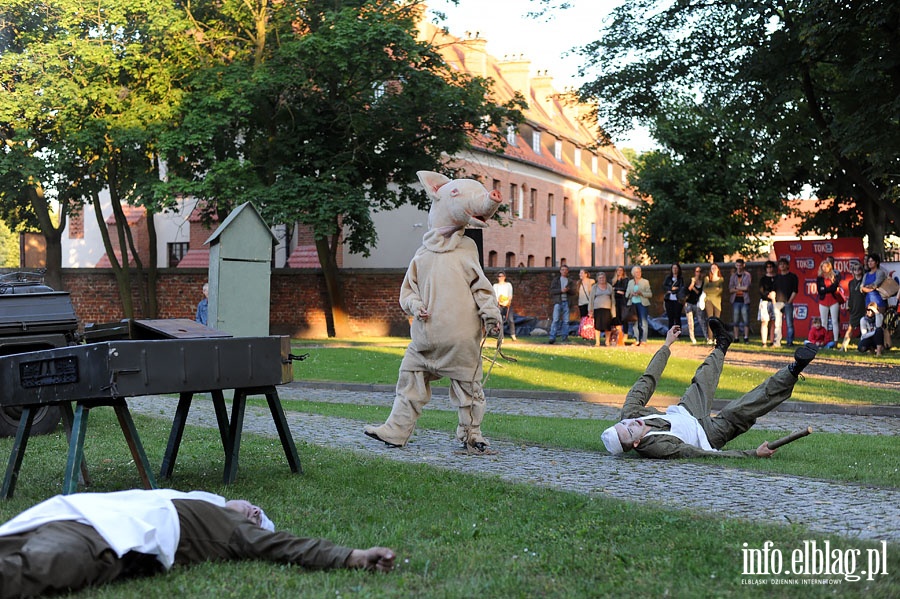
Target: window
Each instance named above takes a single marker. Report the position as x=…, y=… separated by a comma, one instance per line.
x=594, y=164
x=624, y=177
x=492, y=258
x=176, y=251
x=609, y=171
x=513, y=196
x=520, y=203
x=532, y=204
x=557, y=150
x=549, y=207
x=565, y=213
x=577, y=158
x=510, y=259
x=496, y=185
x=536, y=142
x=511, y=135
x=530, y=260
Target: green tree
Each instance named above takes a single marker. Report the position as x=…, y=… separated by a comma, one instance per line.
x=321, y=112
x=86, y=88
x=817, y=81
x=709, y=192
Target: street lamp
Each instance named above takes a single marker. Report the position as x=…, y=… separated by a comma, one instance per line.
x=593, y=244
x=553, y=240
x=625, y=247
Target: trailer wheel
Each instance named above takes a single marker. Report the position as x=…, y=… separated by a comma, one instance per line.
x=46, y=419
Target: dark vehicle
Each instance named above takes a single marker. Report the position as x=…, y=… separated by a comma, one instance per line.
x=33, y=317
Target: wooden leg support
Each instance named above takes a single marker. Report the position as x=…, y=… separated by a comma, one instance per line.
x=17, y=453
x=134, y=443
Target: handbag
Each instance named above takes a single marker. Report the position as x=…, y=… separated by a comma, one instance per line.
x=631, y=314
x=682, y=294
x=586, y=328
x=701, y=303
x=888, y=288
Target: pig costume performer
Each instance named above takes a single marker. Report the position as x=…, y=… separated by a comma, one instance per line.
x=452, y=302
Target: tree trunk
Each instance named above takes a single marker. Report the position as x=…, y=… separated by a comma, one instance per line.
x=123, y=278
x=52, y=236
x=339, y=316
x=152, y=310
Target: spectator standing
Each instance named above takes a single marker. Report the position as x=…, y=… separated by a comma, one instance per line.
x=620, y=286
x=674, y=295
x=856, y=303
x=560, y=292
x=739, y=288
x=767, y=303
x=787, y=285
x=503, y=289
x=691, y=305
x=830, y=298
x=871, y=327
x=714, y=288
x=874, y=277
x=639, y=294
x=585, y=282
x=819, y=335
x=203, y=307
x=603, y=306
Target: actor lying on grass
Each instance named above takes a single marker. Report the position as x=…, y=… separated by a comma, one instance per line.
x=687, y=430
x=70, y=542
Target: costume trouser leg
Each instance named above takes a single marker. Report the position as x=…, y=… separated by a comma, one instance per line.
x=739, y=415
x=412, y=394
x=698, y=398
x=58, y=556
x=468, y=397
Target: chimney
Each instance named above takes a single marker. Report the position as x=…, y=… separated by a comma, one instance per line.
x=542, y=89
x=515, y=70
x=475, y=54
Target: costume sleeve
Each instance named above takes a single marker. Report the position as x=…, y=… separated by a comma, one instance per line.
x=410, y=298
x=283, y=547
x=483, y=293
x=670, y=447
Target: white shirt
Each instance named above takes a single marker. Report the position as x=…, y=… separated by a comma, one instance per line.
x=135, y=520
x=684, y=426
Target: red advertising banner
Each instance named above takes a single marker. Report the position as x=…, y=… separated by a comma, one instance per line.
x=805, y=257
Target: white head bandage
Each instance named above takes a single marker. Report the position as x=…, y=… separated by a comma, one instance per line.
x=611, y=441
x=265, y=523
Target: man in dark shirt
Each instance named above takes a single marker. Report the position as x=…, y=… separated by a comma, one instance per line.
x=72, y=542
x=786, y=287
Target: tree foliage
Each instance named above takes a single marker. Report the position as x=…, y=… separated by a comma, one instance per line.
x=321, y=113
x=815, y=83
x=86, y=89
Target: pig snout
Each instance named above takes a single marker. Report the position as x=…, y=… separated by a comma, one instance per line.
x=495, y=196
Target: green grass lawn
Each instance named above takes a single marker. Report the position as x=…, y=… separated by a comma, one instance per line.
x=570, y=368
x=456, y=535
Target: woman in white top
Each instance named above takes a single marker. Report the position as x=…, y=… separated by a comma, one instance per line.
x=603, y=306
x=585, y=282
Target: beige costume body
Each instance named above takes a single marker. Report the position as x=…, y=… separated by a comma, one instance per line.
x=445, y=280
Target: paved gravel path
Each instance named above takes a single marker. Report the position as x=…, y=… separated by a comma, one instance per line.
x=846, y=509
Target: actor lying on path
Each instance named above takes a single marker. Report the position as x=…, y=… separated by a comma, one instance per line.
x=687, y=430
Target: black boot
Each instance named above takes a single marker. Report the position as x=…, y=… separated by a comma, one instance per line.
x=802, y=357
x=720, y=333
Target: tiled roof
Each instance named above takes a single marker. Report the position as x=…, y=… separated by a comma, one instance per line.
x=304, y=256
x=198, y=258
x=133, y=215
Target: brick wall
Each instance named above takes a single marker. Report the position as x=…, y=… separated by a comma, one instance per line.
x=299, y=296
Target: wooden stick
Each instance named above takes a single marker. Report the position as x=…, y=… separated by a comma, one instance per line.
x=792, y=437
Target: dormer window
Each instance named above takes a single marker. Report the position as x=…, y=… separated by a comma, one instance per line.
x=557, y=150
x=536, y=142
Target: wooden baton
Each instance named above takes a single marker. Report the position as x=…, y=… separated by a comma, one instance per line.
x=792, y=437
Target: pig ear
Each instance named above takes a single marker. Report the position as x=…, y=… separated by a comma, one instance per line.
x=432, y=181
